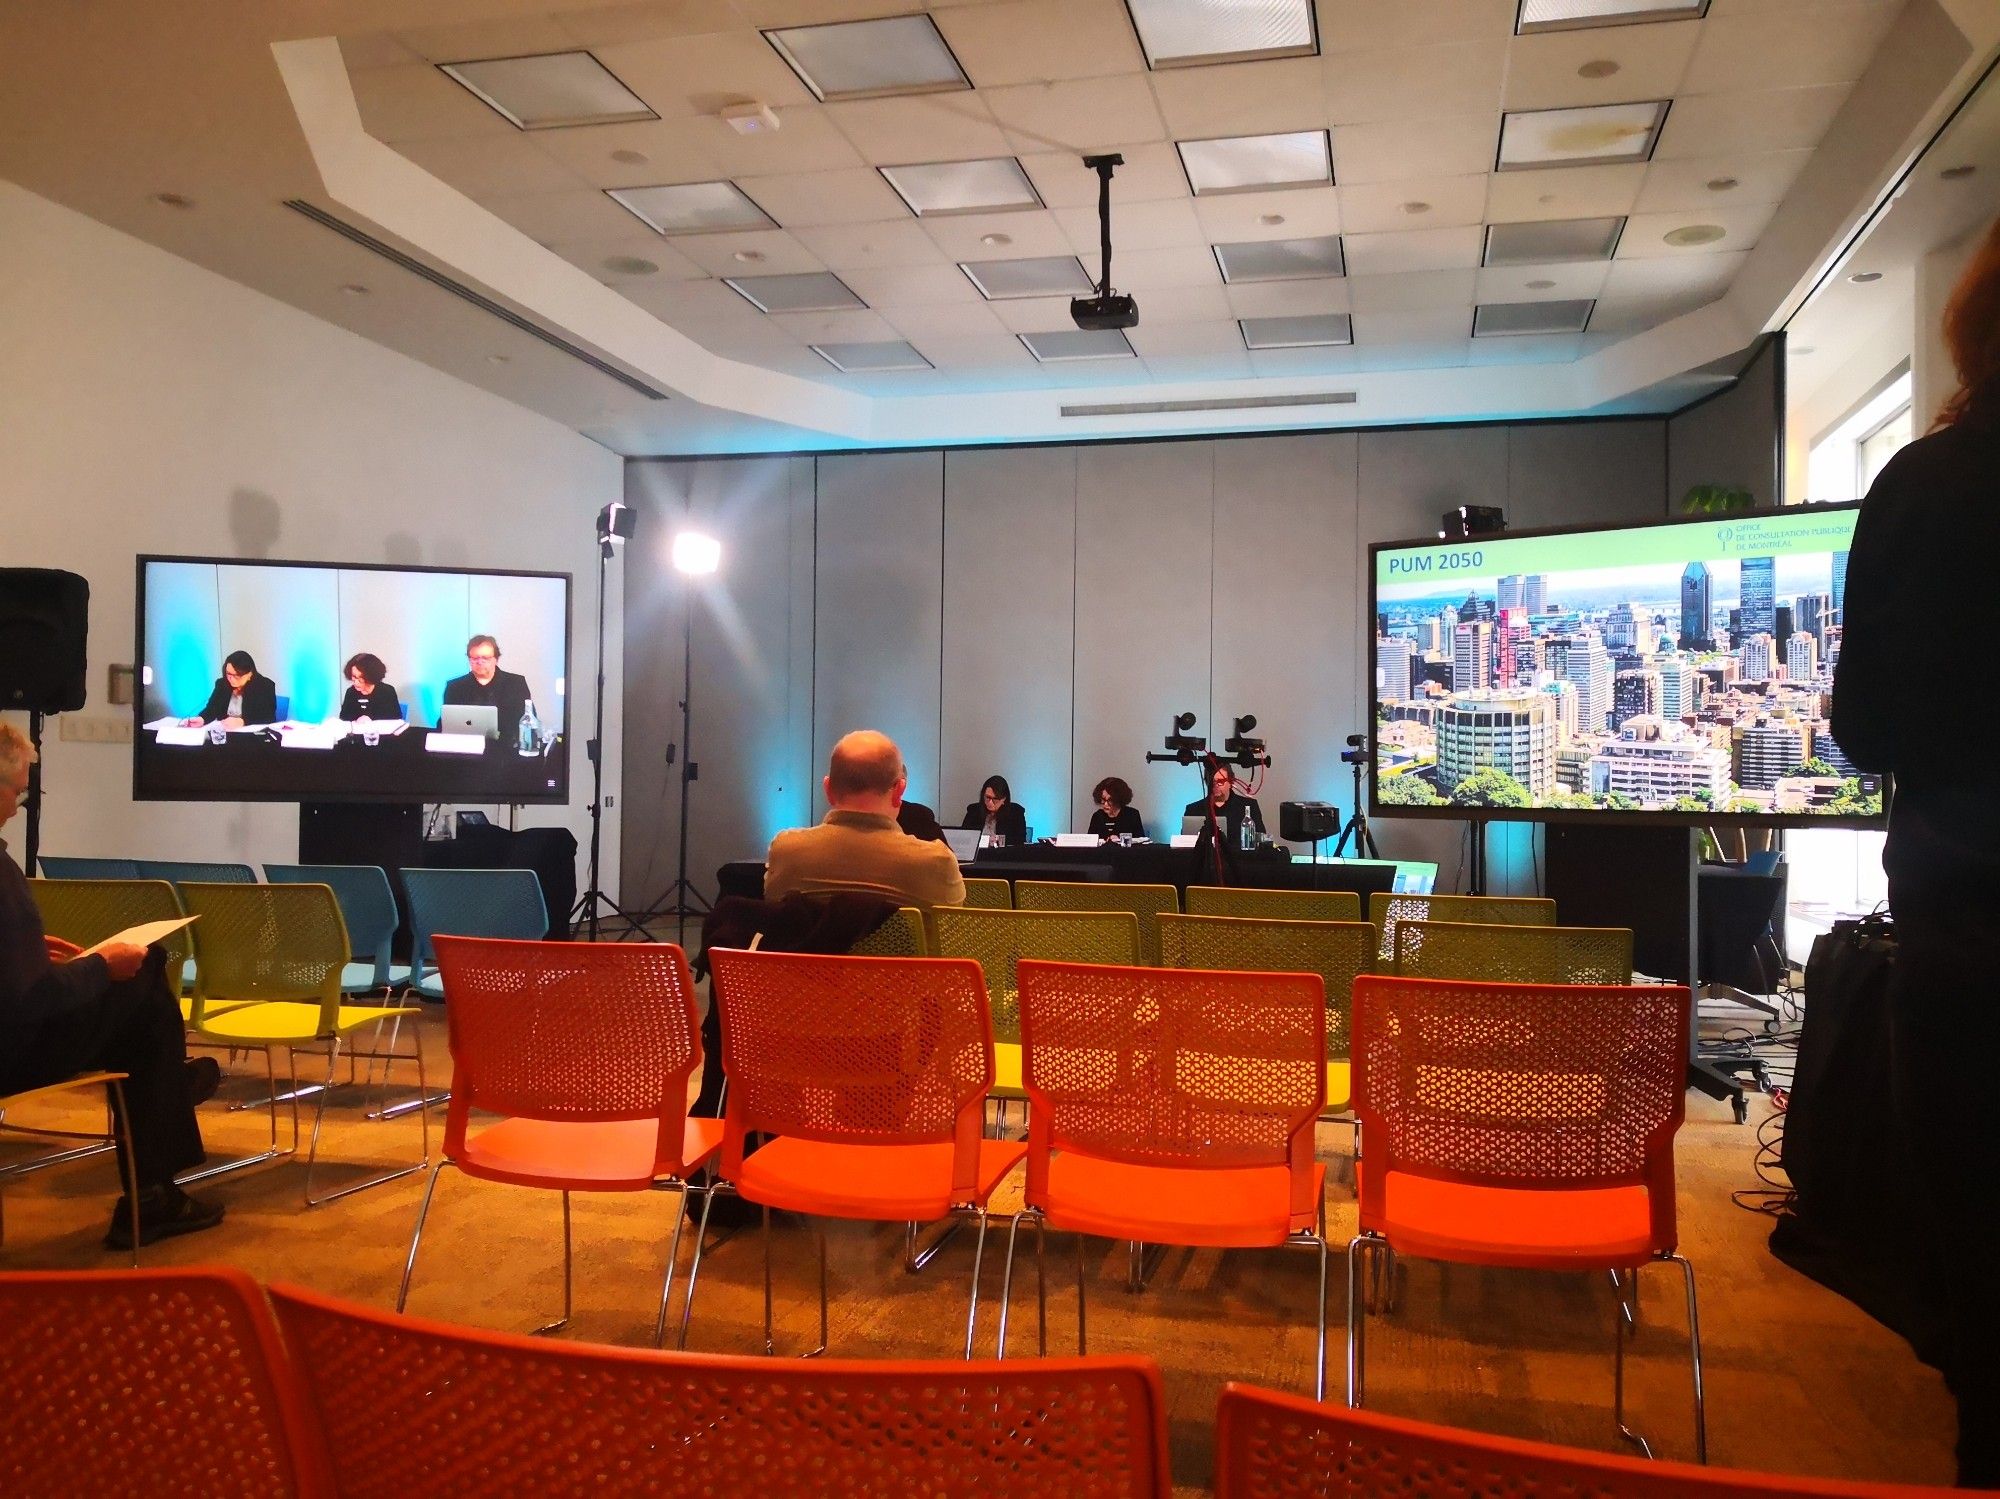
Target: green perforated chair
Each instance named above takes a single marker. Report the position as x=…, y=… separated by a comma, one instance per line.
x=1147, y=902
x=1338, y=951
x=1386, y=910
x=87, y=911
x=1274, y=905
x=1514, y=954
x=989, y=895
x=901, y=936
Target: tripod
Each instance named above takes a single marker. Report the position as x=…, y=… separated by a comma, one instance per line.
x=1357, y=825
x=680, y=899
x=593, y=898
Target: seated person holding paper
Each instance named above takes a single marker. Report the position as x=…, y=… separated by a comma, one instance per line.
x=996, y=815
x=367, y=695
x=486, y=685
x=63, y=1012
x=240, y=697
x=1115, y=816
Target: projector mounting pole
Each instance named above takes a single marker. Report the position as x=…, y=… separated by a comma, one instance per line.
x=1104, y=166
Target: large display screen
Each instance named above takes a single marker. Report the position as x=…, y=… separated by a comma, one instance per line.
x=1681, y=670
x=302, y=681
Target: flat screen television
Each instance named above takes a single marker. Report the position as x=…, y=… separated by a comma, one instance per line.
x=1679, y=671
x=311, y=681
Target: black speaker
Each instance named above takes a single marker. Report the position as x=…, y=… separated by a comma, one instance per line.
x=1306, y=822
x=43, y=622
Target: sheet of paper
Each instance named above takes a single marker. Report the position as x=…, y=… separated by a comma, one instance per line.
x=169, y=722
x=310, y=736
x=181, y=736
x=455, y=744
x=146, y=933
x=382, y=728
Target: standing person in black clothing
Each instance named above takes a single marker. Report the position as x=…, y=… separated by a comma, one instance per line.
x=1929, y=531
x=996, y=814
x=367, y=695
x=240, y=696
x=63, y=1012
x=486, y=685
x=1115, y=816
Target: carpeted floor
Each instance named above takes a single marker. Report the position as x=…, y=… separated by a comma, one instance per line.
x=1798, y=1380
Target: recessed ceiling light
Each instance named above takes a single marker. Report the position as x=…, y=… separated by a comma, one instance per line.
x=1273, y=219
x=1416, y=205
x=1597, y=67
x=870, y=358
x=1541, y=283
x=1552, y=241
x=1572, y=15
x=936, y=188
x=812, y=291
x=1296, y=332
x=1957, y=173
x=355, y=289
x=1281, y=259
x=995, y=241
x=1693, y=234
x=630, y=265
x=1514, y=319
x=550, y=90
x=1078, y=343
x=748, y=257
x=1862, y=278
x=1036, y=276
x=1187, y=33
x=173, y=200
x=692, y=207
x=1595, y=134
x=630, y=158
x=1720, y=184
x=870, y=59
x=1239, y=163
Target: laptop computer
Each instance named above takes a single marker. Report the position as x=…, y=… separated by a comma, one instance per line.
x=470, y=718
x=964, y=843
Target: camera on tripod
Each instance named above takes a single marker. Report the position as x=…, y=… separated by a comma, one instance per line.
x=1180, y=744
x=1356, y=752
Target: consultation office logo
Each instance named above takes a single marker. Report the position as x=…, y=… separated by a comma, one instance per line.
x=1723, y=535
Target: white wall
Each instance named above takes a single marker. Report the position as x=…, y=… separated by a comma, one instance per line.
x=149, y=405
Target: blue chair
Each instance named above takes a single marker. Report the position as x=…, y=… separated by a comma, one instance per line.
x=194, y=872
x=368, y=907
x=469, y=903
x=1760, y=861
x=55, y=868
x=284, y=707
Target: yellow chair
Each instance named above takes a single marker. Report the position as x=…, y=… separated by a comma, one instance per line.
x=79, y=1144
x=269, y=960
x=87, y=911
x=1337, y=951
x=1386, y=910
x=1274, y=905
x=1514, y=954
x=989, y=895
x=901, y=936
x=1147, y=902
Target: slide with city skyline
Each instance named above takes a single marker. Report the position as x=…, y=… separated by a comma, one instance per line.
x=1681, y=668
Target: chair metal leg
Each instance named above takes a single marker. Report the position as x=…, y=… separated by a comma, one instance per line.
x=673, y=1258
x=1628, y=1301
x=770, y=1348
x=271, y=1152
x=819, y=1235
x=1319, y=1355
x=1081, y=1327
x=127, y=1168
x=1007, y=1284
x=1694, y=1358
x=1041, y=1287
x=1141, y=1260
x=1357, y=1314
x=568, y=1262
x=694, y=1266
x=319, y=1118
x=914, y=1259
x=972, y=1309
x=1618, y=1388
x=417, y=1235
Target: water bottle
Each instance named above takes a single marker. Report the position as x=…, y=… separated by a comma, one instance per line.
x=1246, y=833
x=530, y=742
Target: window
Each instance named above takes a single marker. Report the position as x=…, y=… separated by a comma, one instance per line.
x=1845, y=459
x=1879, y=446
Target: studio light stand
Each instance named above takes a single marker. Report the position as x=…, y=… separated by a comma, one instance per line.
x=615, y=525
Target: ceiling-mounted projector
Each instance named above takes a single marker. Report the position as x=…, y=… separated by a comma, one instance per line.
x=1107, y=310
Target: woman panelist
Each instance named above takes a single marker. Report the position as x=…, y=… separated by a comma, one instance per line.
x=1115, y=816
x=240, y=697
x=995, y=814
x=367, y=695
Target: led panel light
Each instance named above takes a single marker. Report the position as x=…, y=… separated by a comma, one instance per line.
x=935, y=188
x=692, y=207
x=1078, y=343
x=857, y=359
x=550, y=90
x=870, y=59
x=1296, y=332
x=1594, y=134
x=1241, y=163
x=810, y=291
x=1552, y=242
x=1281, y=259
x=1035, y=276
x=1574, y=15
x=1187, y=33
x=1512, y=319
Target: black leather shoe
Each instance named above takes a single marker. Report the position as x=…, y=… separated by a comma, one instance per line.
x=204, y=1077
x=164, y=1213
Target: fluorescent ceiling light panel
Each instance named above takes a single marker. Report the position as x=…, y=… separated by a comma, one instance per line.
x=1281, y=259
x=935, y=188
x=1241, y=163
x=1035, y=276
x=1296, y=332
x=856, y=359
x=870, y=59
x=1511, y=319
x=693, y=207
x=1552, y=242
x=550, y=90
x=1574, y=15
x=1592, y=135
x=1183, y=33
x=1078, y=343
x=811, y=291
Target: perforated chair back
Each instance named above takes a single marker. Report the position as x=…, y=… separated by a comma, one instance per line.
x=1523, y=1086
x=570, y=1032
x=1274, y=905
x=114, y=1375
x=180, y=871
x=1146, y=902
x=367, y=905
x=1514, y=954
x=901, y=936
x=1386, y=909
x=54, y=867
x=87, y=911
x=267, y=943
x=1338, y=951
x=473, y=903
x=482, y=1413
x=1269, y=1444
x=998, y=940
x=989, y=895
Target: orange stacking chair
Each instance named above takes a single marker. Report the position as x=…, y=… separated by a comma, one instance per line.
x=1521, y=1125
x=151, y=1381
x=1171, y=1106
x=1269, y=1443
x=584, y=1050
x=872, y=1073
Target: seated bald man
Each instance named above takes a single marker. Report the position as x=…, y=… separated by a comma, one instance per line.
x=858, y=845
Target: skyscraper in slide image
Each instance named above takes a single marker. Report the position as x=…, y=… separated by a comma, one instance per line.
x=1697, y=608
x=1759, y=596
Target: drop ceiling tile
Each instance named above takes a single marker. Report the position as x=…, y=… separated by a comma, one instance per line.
x=897, y=243
x=1150, y=270
x=805, y=141
x=791, y=359
x=835, y=327
x=500, y=166
x=1241, y=98
x=1676, y=275
x=1420, y=327
x=1529, y=348
x=1190, y=369
x=1027, y=233
x=1186, y=304
x=1134, y=226
x=950, y=351
x=1416, y=291
x=923, y=128
x=1563, y=193
x=572, y=217
x=1768, y=120
x=1682, y=184
x=1081, y=115
x=1413, y=250
x=1403, y=83
x=687, y=303
x=912, y=286
x=1287, y=298
x=374, y=49
x=663, y=145
x=591, y=255
x=1335, y=360
x=1032, y=314
x=416, y=102
x=1352, y=28
x=1645, y=232
x=1233, y=218
x=953, y=321
x=852, y=195
x=1832, y=43
x=1445, y=146
x=1571, y=281
x=778, y=253
x=1030, y=40
x=699, y=75
x=1150, y=340
x=1650, y=61
x=1381, y=207
x=614, y=25
x=1150, y=173
x=523, y=36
